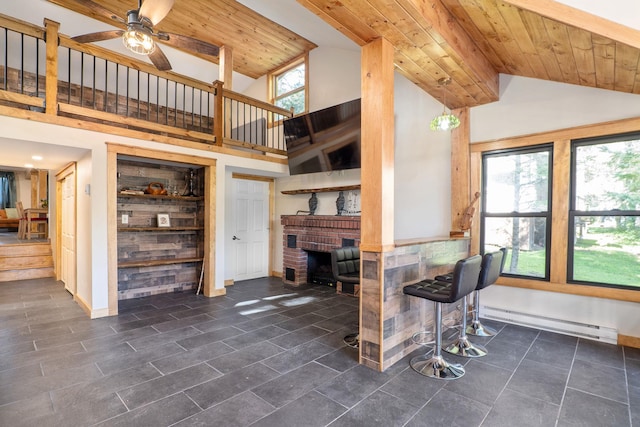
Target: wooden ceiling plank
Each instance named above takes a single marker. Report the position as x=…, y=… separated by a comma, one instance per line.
x=399, y=27
x=626, y=67
x=489, y=34
x=462, y=47
x=336, y=12
x=333, y=22
x=506, y=37
x=543, y=44
x=583, y=55
x=604, y=52
x=580, y=19
x=562, y=49
x=513, y=20
x=459, y=11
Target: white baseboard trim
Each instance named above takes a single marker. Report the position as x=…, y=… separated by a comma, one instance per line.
x=561, y=326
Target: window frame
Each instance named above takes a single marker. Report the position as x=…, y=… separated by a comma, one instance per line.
x=273, y=75
x=544, y=214
x=561, y=139
x=573, y=212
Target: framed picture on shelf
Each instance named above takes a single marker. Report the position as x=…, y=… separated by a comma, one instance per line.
x=163, y=220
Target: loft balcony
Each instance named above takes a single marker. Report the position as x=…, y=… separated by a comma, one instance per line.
x=50, y=75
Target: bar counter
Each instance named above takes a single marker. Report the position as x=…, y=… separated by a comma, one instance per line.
x=388, y=318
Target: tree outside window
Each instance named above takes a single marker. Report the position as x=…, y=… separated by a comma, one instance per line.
x=604, y=218
x=516, y=211
x=289, y=88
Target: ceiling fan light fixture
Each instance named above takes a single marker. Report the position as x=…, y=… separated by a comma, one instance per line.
x=445, y=121
x=139, y=40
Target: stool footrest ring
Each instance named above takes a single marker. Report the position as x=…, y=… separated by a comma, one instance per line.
x=420, y=338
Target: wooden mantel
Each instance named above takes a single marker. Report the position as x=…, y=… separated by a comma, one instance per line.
x=322, y=190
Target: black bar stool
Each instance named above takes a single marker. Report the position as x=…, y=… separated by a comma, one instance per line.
x=464, y=281
x=492, y=265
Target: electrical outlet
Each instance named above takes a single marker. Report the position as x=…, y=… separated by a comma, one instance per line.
x=125, y=219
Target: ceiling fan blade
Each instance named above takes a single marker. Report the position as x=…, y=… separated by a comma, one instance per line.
x=155, y=10
x=96, y=37
x=99, y=10
x=185, y=42
x=159, y=59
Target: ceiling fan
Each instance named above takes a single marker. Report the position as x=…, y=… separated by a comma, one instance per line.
x=139, y=35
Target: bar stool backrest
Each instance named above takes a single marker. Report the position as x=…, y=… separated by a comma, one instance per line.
x=465, y=277
x=492, y=265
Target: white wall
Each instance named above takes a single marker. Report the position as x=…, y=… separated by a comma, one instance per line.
x=529, y=106
x=422, y=157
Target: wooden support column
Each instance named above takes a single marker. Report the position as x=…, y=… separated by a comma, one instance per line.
x=461, y=193
x=51, y=81
x=377, y=174
x=225, y=67
x=218, y=112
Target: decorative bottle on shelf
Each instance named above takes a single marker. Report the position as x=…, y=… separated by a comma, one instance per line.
x=313, y=204
x=340, y=203
x=191, y=184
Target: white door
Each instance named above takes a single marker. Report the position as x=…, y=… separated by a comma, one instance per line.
x=251, y=229
x=68, y=233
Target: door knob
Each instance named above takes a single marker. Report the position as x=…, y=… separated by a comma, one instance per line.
x=236, y=238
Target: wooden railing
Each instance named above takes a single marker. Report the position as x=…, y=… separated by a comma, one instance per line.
x=48, y=72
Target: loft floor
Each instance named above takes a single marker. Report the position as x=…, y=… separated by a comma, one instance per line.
x=264, y=355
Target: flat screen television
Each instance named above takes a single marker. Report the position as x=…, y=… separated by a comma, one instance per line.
x=324, y=140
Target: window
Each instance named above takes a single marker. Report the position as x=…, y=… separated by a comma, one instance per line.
x=516, y=211
x=604, y=215
x=289, y=87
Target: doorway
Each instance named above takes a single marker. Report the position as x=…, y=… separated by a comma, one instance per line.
x=66, y=227
x=251, y=226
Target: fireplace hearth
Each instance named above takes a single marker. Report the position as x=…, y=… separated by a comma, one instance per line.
x=314, y=237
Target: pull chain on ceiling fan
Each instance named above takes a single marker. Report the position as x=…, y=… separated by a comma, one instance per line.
x=139, y=34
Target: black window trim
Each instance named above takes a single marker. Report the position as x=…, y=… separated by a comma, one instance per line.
x=573, y=213
x=539, y=214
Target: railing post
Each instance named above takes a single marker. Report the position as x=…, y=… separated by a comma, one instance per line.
x=218, y=112
x=51, y=79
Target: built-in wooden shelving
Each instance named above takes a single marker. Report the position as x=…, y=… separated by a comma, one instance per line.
x=165, y=229
x=157, y=196
x=156, y=262
x=322, y=190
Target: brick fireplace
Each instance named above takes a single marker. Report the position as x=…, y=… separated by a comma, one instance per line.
x=308, y=235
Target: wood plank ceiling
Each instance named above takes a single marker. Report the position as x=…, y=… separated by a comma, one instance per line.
x=470, y=41
x=259, y=44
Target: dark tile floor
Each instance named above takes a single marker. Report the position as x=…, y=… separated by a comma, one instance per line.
x=264, y=355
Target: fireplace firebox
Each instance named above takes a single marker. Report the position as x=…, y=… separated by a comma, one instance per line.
x=314, y=236
x=319, y=268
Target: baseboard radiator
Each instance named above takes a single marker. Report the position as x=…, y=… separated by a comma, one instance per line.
x=567, y=327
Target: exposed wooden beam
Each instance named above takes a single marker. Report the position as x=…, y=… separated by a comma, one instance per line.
x=442, y=26
x=580, y=19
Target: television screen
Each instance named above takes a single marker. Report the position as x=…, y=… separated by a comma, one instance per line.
x=324, y=140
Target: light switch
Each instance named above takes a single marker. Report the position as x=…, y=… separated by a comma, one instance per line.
x=125, y=219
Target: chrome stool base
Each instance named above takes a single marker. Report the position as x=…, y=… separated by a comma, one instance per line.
x=352, y=340
x=463, y=347
x=436, y=367
x=477, y=329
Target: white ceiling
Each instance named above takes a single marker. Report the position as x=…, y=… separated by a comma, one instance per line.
x=14, y=155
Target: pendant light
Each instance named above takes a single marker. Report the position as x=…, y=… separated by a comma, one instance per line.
x=445, y=121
